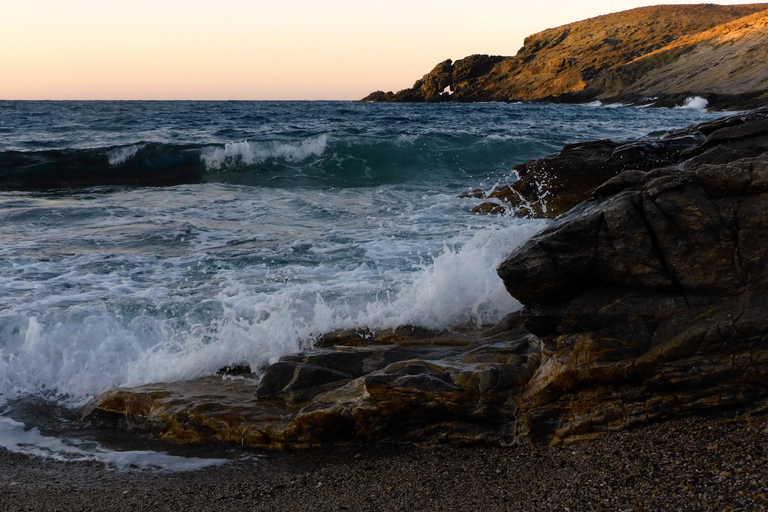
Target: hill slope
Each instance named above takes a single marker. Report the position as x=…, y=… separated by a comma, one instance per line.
x=629, y=55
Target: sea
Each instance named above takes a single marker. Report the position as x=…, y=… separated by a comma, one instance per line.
x=145, y=242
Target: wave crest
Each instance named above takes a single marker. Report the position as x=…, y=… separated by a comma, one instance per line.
x=235, y=154
x=122, y=154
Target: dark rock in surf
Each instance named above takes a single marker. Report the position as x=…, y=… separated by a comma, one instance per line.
x=490, y=208
x=551, y=186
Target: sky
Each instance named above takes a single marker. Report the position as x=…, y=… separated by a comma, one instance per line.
x=257, y=49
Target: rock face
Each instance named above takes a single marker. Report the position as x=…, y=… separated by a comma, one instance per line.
x=667, y=53
x=553, y=185
x=460, y=76
x=725, y=64
x=649, y=303
x=646, y=301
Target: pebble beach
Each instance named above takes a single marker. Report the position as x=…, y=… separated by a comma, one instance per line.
x=695, y=463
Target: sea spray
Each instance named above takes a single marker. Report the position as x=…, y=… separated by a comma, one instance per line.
x=245, y=153
x=161, y=241
x=76, y=348
x=694, y=103
x=459, y=288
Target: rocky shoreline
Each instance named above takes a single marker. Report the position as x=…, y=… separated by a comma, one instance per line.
x=644, y=302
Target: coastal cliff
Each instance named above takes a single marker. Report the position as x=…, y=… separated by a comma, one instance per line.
x=645, y=301
x=650, y=55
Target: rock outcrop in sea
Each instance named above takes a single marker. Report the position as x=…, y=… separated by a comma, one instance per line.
x=650, y=55
x=648, y=300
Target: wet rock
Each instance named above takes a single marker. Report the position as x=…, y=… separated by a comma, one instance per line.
x=347, y=337
x=489, y=208
x=235, y=370
x=285, y=377
x=477, y=193
x=455, y=387
x=509, y=323
x=551, y=186
x=650, y=301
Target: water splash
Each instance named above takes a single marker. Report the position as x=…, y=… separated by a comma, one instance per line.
x=237, y=154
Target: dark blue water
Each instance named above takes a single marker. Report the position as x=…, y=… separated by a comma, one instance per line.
x=155, y=241
x=294, y=144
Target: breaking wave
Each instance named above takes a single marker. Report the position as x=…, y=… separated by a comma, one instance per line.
x=317, y=161
x=246, y=153
x=694, y=103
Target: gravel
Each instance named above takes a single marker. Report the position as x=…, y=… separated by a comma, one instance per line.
x=713, y=463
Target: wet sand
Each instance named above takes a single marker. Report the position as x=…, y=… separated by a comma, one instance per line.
x=715, y=463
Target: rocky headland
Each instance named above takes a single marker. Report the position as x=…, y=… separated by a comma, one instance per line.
x=645, y=299
x=657, y=55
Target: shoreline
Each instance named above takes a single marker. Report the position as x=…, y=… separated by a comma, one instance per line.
x=693, y=463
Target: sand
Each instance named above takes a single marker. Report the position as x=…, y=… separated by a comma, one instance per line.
x=713, y=463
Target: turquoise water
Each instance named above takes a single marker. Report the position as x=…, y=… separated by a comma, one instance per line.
x=145, y=242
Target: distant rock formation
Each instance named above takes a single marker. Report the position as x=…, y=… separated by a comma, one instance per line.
x=659, y=55
x=460, y=78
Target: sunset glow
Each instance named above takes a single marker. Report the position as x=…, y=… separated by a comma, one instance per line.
x=238, y=49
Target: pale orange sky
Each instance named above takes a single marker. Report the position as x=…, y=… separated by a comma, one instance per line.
x=256, y=50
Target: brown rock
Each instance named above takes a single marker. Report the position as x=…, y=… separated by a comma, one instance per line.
x=644, y=303
x=719, y=64
x=552, y=185
x=491, y=208
x=456, y=389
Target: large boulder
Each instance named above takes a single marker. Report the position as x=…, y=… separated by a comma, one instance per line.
x=429, y=387
x=649, y=303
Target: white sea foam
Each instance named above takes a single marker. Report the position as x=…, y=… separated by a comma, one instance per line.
x=122, y=155
x=598, y=103
x=406, y=139
x=66, y=340
x=459, y=287
x=234, y=154
x=15, y=437
x=694, y=103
